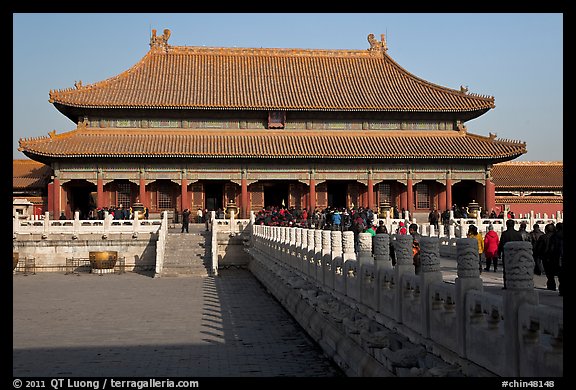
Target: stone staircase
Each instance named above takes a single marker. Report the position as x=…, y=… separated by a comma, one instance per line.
x=187, y=254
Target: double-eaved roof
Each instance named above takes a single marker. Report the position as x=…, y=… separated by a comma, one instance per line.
x=199, y=78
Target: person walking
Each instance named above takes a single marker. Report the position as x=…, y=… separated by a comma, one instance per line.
x=491, y=242
x=185, y=220
x=523, y=232
x=433, y=218
x=381, y=228
x=508, y=235
x=401, y=229
x=413, y=231
x=473, y=233
x=336, y=220
x=557, y=252
x=535, y=234
x=545, y=250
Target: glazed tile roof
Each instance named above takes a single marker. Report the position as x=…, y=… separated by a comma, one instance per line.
x=529, y=175
x=182, y=77
x=210, y=143
x=529, y=199
x=29, y=174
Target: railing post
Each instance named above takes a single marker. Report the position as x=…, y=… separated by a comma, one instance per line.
x=335, y=257
x=47, y=223
x=519, y=265
x=296, y=262
x=291, y=246
x=382, y=252
x=311, y=257
x=404, y=265
x=318, y=254
x=468, y=279
x=214, y=241
x=135, y=225
x=304, y=252
x=429, y=273
x=364, y=249
x=76, y=222
x=326, y=256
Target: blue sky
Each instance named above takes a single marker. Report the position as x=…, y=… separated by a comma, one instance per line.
x=515, y=57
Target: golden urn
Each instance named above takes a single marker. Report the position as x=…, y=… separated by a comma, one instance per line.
x=137, y=206
x=473, y=209
x=231, y=207
x=103, y=259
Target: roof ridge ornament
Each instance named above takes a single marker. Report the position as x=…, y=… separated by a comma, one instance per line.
x=160, y=41
x=464, y=89
x=461, y=127
x=376, y=46
x=83, y=124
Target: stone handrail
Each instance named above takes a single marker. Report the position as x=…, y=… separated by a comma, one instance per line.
x=214, y=240
x=453, y=229
x=509, y=335
x=77, y=226
x=161, y=244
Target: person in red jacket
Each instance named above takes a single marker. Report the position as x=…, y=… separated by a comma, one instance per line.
x=491, y=242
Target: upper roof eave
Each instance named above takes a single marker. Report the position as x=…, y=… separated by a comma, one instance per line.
x=381, y=82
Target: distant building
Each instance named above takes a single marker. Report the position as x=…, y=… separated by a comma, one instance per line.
x=524, y=186
x=197, y=127
x=30, y=181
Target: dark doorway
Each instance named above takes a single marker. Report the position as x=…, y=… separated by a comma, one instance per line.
x=80, y=198
x=214, y=195
x=463, y=193
x=337, y=190
x=276, y=194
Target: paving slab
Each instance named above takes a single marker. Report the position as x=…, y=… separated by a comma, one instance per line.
x=132, y=325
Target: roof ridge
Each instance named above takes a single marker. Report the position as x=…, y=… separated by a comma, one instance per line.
x=535, y=162
x=462, y=91
x=267, y=132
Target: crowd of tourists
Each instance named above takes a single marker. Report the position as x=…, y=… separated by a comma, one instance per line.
x=547, y=246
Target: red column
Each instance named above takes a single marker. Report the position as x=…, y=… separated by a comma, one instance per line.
x=312, y=195
x=371, y=194
x=244, y=205
x=403, y=201
x=56, y=198
x=142, y=192
x=490, y=196
x=442, y=200
x=51, y=200
x=184, y=199
x=410, y=197
x=449, y=194
x=100, y=192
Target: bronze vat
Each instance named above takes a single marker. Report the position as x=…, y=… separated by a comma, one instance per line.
x=103, y=259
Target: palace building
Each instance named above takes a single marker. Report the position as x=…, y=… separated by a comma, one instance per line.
x=197, y=127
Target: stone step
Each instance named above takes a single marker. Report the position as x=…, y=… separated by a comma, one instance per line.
x=187, y=254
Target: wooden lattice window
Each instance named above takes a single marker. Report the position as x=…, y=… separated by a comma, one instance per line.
x=124, y=195
x=165, y=197
x=422, y=196
x=384, y=193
